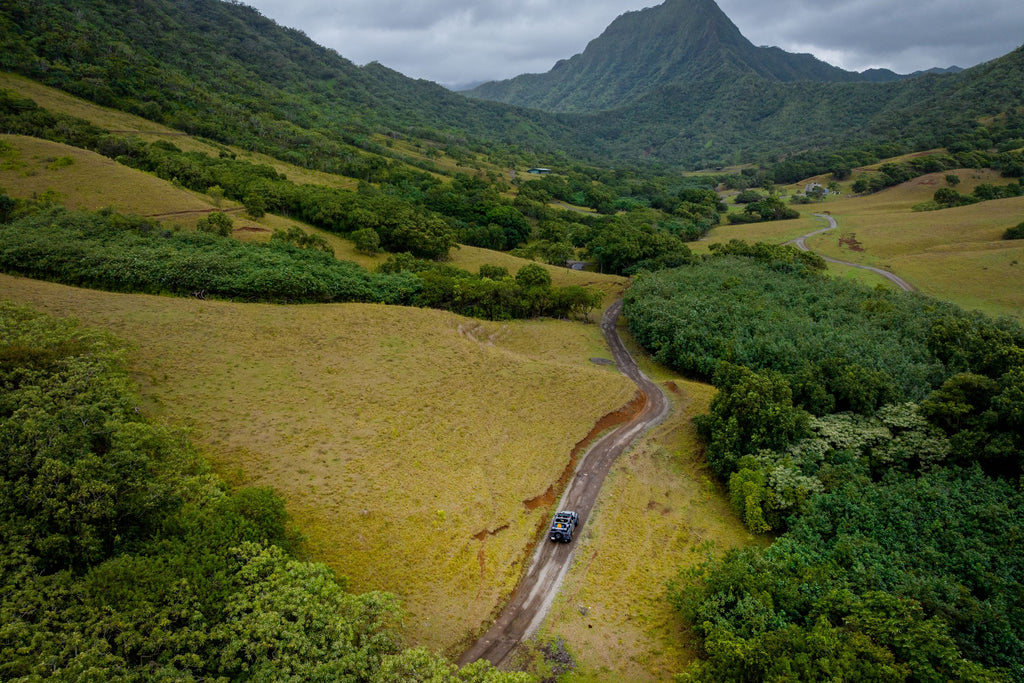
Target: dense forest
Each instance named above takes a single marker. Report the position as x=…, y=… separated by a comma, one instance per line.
x=882, y=435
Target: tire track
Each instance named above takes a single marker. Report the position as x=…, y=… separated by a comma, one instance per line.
x=531, y=601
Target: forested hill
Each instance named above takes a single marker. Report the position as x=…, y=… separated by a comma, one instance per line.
x=678, y=42
x=223, y=71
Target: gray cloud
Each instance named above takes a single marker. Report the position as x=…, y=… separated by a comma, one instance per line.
x=459, y=41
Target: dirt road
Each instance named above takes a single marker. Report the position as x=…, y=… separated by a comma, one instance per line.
x=801, y=244
x=532, y=599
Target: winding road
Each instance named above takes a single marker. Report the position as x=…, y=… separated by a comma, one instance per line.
x=532, y=599
x=801, y=244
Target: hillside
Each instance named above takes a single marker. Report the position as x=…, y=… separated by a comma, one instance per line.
x=681, y=87
x=679, y=41
x=223, y=71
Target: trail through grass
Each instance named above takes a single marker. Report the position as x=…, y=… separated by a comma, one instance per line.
x=659, y=510
x=954, y=254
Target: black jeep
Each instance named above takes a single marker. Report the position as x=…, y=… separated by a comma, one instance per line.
x=563, y=525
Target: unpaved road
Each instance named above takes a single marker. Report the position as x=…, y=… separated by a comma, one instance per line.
x=532, y=599
x=801, y=244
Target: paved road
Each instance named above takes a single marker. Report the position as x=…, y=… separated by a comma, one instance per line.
x=532, y=600
x=801, y=244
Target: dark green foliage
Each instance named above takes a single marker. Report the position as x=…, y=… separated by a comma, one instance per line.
x=1014, y=233
x=840, y=346
x=533, y=275
x=749, y=197
x=632, y=242
x=751, y=411
x=492, y=294
x=118, y=253
x=298, y=237
x=217, y=223
x=900, y=556
x=400, y=225
x=874, y=578
x=367, y=241
x=222, y=71
x=766, y=209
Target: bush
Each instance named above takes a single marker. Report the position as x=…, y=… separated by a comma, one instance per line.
x=217, y=223
x=367, y=241
x=1014, y=233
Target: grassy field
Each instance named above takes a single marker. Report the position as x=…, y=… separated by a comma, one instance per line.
x=955, y=254
x=405, y=442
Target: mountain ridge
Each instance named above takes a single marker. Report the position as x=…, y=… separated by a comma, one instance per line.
x=676, y=42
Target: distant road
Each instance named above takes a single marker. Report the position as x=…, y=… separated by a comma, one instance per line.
x=532, y=599
x=801, y=244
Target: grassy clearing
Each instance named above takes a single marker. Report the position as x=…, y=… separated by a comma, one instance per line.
x=85, y=180
x=471, y=258
x=658, y=510
x=113, y=120
x=404, y=441
x=955, y=254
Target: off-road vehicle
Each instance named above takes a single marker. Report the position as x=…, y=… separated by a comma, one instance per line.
x=563, y=525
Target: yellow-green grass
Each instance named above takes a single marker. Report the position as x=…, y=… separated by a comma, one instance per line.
x=955, y=255
x=657, y=512
x=130, y=125
x=80, y=179
x=91, y=181
x=85, y=180
x=772, y=232
x=405, y=442
x=471, y=258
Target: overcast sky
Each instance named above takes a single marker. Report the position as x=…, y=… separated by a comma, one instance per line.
x=455, y=42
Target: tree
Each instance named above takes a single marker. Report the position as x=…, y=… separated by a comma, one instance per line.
x=751, y=411
x=1014, y=233
x=216, y=222
x=367, y=241
x=533, y=275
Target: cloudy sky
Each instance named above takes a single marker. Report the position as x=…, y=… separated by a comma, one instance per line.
x=456, y=42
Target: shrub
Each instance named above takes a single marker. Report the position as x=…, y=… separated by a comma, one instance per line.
x=1014, y=233
x=217, y=223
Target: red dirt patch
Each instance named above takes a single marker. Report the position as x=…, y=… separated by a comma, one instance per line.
x=674, y=388
x=620, y=416
x=849, y=240
x=545, y=499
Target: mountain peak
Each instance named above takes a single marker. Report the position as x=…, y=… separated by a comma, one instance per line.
x=677, y=41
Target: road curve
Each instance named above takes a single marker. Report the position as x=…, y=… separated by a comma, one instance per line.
x=532, y=599
x=801, y=244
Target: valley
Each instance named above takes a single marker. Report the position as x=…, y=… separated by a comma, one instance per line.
x=776, y=367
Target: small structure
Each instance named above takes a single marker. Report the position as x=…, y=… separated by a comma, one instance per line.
x=539, y=171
